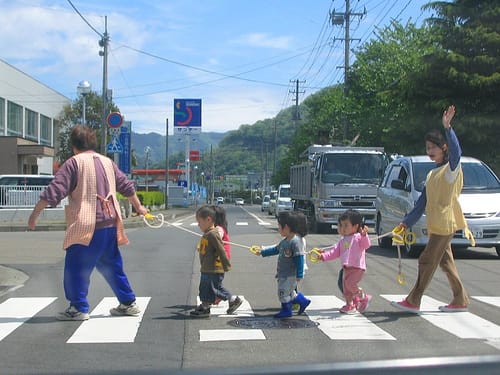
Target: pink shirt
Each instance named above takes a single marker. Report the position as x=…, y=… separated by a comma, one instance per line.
x=350, y=249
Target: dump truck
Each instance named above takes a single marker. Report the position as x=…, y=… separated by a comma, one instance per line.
x=333, y=179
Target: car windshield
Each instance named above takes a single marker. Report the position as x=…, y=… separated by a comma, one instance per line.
x=476, y=176
x=353, y=168
x=284, y=192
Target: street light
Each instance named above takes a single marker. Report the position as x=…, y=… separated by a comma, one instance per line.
x=84, y=89
x=147, y=150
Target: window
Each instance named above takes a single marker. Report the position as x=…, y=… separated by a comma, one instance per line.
x=14, y=119
x=45, y=130
x=31, y=119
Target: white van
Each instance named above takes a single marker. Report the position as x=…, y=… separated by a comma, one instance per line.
x=22, y=190
x=283, y=200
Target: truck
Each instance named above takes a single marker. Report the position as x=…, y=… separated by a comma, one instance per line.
x=334, y=179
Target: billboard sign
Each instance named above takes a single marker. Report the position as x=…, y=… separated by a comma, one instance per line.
x=187, y=116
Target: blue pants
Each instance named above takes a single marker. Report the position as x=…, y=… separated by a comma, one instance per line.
x=101, y=253
x=211, y=287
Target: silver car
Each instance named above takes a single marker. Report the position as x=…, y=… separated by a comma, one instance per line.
x=402, y=184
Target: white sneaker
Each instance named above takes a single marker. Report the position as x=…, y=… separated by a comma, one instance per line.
x=125, y=310
x=71, y=313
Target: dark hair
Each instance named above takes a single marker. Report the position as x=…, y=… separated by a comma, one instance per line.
x=353, y=216
x=287, y=218
x=206, y=211
x=220, y=217
x=83, y=138
x=301, y=223
x=435, y=136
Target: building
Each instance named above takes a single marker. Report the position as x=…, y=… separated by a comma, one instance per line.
x=28, y=125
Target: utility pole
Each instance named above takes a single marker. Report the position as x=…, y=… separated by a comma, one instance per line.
x=339, y=19
x=104, y=53
x=296, y=116
x=167, y=163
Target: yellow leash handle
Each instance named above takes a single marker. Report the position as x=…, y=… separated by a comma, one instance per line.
x=314, y=255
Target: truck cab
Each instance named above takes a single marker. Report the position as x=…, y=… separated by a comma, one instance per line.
x=335, y=179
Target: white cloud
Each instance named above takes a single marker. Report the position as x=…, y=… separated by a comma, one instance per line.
x=264, y=40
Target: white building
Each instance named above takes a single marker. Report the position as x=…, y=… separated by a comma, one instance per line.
x=28, y=129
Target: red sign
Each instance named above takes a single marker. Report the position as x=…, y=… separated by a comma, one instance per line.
x=194, y=155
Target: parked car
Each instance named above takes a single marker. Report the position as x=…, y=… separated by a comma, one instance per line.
x=265, y=203
x=239, y=202
x=272, y=202
x=220, y=200
x=403, y=183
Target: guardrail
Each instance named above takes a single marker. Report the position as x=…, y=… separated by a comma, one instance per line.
x=20, y=196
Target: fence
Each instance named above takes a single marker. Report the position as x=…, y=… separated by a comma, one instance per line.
x=20, y=196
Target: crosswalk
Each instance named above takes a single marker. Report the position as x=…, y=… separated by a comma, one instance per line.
x=323, y=311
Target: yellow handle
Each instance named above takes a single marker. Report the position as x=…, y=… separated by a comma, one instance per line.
x=401, y=279
x=314, y=255
x=255, y=249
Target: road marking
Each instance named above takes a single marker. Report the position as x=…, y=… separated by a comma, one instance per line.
x=264, y=223
x=15, y=311
x=241, y=223
x=495, y=301
x=220, y=310
x=337, y=326
x=464, y=325
x=104, y=328
x=231, y=334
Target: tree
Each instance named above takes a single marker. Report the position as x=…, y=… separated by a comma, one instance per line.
x=465, y=71
x=72, y=115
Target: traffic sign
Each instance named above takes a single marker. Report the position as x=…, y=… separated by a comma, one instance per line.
x=114, y=120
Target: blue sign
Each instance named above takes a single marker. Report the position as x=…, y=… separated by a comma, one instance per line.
x=125, y=140
x=187, y=115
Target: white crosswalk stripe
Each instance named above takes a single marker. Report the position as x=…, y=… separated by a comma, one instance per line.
x=464, y=325
x=103, y=328
x=15, y=311
x=337, y=326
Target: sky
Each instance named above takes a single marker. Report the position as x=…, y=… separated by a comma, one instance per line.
x=242, y=58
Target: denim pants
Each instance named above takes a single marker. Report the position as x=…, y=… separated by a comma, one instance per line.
x=101, y=253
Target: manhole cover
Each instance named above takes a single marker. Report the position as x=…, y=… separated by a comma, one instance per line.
x=269, y=323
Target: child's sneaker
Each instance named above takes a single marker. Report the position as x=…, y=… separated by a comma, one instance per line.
x=125, y=310
x=200, y=312
x=233, y=306
x=363, y=303
x=71, y=313
x=348, y=309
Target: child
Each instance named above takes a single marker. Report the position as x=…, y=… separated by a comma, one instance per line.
x=290, y=268
x=221, y=225
x=439, y=201
x=301, y=233
x=214, y=264
x=351, y=250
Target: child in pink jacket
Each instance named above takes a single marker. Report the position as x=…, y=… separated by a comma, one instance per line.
x=351, y=251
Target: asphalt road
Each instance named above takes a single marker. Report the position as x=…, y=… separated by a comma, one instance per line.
x=163, y=268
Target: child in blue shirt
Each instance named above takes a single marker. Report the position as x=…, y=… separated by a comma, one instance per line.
x=290, y=268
